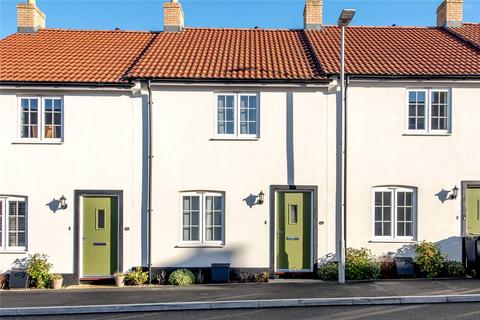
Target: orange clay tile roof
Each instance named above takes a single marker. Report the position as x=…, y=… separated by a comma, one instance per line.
x=396, y=51
x=54, y=55
x=469, y=32
x=230, y=54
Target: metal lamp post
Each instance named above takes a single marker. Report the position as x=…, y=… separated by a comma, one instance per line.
x=344, y=20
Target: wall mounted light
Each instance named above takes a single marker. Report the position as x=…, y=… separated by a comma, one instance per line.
x=453, y=193
x=260, y=197
x=63, y=202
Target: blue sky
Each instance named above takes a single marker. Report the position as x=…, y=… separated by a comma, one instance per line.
x=148, y=14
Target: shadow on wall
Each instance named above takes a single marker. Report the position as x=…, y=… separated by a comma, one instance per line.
x=451, y=246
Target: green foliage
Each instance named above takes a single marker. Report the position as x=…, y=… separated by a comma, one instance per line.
x=261, y=277
x=328, y=271
x=119, y=274
x=429, y=259
x=38, y=270
x=136, y=277
x=56, y=276
x=181, y=277
x=454, y=269
x=360, y=265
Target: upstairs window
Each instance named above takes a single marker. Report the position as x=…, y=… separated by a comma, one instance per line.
x=428, y=111
x=237, y=115
x=394, y=213
x=41, y=119
x=13, y=226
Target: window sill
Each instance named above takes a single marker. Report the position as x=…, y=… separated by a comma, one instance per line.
x=391, y=241
x=37, y=142
x=13, y=251
x=432, y=134
x=200, y=245
x=234, y=139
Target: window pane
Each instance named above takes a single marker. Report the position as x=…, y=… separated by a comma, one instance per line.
x=195, y=235
x=195, y=218
x=387, y=198
x=378, y=213
x=195, y=203
x=186, y=234
x=217, y=236
x=33, y=104
x=209, y=220
x=209, y=234
x=387, y=229
x=57, y=103
x=252, y=129
x=186, y=218
x=230, y=101
x=421, y=123
x=408, y=229
x=400, y=229
x=48, y=104
x=387, y=214
x=293, y=214
x=378, y=229
x=243, y=102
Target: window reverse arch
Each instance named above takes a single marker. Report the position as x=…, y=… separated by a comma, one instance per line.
x=394, y=213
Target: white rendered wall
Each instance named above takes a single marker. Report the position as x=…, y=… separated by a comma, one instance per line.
x=187, y=158
x=379, y=153
x=101, y=151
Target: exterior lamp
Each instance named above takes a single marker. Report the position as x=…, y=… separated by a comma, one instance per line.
x=261, y=197
x=63, y=202
x=343, y=21
x=453, y=193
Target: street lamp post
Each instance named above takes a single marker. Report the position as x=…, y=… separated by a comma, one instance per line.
x=343, y=21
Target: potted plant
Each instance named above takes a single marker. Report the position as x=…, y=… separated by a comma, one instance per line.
x=57, y=281
x=119, y=279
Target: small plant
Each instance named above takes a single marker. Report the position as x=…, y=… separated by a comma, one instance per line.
x=119, y=274
x=328, y=271
x=454, y=269
x=3, y=281
x=136, y=277
x=261, y=277
x=56, y=276
x=38, y=270
x=162, y=278
x=429, y=259
x=360, y=265
x=181, y=277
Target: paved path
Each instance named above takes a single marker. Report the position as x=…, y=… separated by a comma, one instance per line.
x=235, y=296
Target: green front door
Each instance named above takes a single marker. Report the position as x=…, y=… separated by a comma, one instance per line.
x=100, y=236
x=473, y=211
x=293, y=231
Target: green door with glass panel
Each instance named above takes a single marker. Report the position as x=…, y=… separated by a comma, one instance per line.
x=293, y=231
x=473, y=211
x=100, y=236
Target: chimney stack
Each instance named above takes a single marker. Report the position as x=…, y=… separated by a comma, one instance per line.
x=450, y=13
x=173, y=16
x=312, y=15
x=29, y=17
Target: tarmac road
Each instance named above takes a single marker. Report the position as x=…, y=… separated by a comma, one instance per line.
x=449, y=311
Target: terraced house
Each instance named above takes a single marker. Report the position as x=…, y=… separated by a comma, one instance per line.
x=194, y=146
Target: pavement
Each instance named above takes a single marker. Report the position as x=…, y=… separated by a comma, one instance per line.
x=277, y=293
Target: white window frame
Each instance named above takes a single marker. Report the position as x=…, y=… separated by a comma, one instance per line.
x=5, y=200
x=428, y=112
x=202, y=219
x=40, y=119
x=236, y=121
x=393, y=223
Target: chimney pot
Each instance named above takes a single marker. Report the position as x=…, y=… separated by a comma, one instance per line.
x=312, y=15
x=173, y=16
x=450, y=13
x=29, y=17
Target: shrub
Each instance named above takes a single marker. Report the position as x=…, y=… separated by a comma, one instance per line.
x=38, y=270
x=136, y=277
x=328, y=271
x=360, y=265
x=261, y=277
x=429, y=259
x=181, y=277
x=453, y=269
